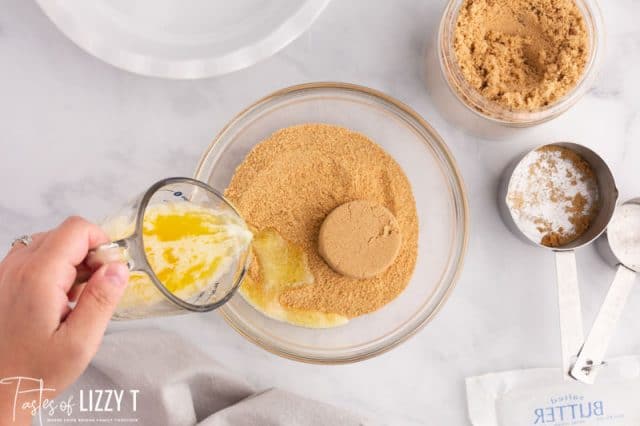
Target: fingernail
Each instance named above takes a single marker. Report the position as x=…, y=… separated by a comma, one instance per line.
x=116, y=273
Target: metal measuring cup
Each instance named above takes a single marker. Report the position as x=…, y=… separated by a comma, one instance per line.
x=571, y=329
x=624, y=245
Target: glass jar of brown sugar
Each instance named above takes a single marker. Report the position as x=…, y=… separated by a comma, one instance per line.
x=520, y=64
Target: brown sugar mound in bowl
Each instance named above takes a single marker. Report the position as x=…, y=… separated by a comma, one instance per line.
x=521, y=54
x=294, y=179
x=359, y=239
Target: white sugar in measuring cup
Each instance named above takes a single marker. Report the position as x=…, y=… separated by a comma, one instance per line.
x=623, y=235
x=571, y=329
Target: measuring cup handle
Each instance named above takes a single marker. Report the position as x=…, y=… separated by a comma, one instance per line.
x=104, y=253
x=571, y=331
x=595, y=347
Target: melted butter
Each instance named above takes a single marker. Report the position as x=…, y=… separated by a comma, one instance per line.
x=282, y=265
x=187, y=246
x=184, y=248
x=180, y=225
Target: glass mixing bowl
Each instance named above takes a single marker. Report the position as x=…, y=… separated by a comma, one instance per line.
x=440, y=198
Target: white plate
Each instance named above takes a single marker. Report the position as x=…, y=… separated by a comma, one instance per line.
x=182, y=38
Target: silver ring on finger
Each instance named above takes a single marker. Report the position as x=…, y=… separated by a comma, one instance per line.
x=26, y=240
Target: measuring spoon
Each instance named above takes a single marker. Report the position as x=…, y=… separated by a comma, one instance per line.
x=623, y=235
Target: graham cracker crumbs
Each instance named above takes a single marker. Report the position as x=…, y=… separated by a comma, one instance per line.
x=294, y=179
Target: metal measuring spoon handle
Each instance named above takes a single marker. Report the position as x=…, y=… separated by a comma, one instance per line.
x=623, y=237
x=571, y=329
x=592, y=353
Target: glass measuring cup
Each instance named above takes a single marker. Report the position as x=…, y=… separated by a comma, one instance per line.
x=149, y=294
x=623, y=236
x=571, y=328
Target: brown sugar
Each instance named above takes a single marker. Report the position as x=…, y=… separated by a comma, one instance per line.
x=294, y=179
x=359, y=239
x=521, y=54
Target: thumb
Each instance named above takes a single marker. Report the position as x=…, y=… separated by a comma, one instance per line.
x=88, y=320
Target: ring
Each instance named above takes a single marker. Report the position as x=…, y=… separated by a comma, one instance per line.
x=24, y=239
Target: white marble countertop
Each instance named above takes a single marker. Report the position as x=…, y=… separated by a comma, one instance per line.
x=78, y=136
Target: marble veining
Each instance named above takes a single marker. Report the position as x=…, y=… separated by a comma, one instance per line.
x=79, y=137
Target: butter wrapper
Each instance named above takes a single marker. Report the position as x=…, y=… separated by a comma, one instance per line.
x=541, y=397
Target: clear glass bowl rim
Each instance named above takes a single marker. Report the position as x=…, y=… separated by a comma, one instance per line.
x=462, y=212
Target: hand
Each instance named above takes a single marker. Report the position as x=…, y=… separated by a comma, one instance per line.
x=40, y=336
